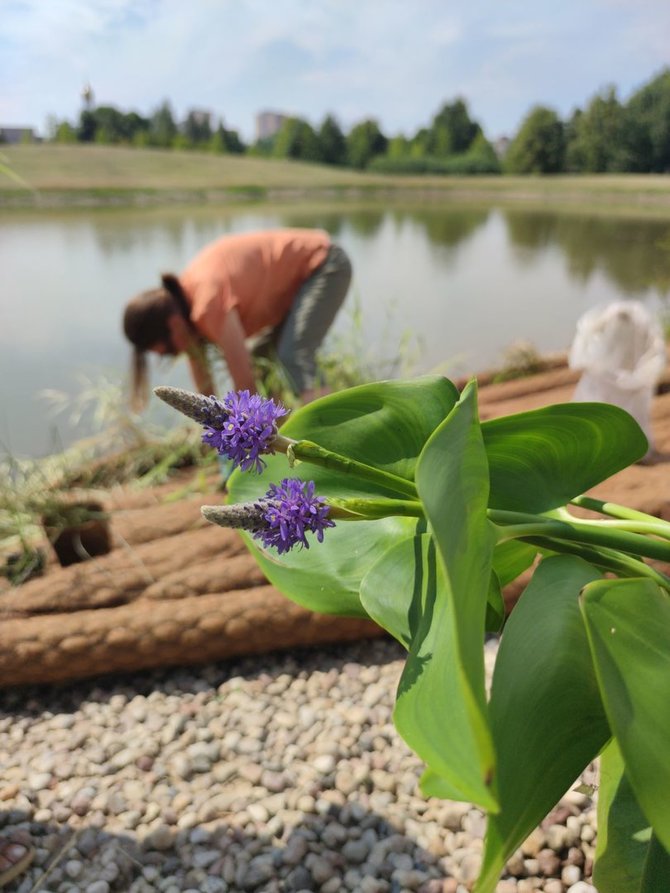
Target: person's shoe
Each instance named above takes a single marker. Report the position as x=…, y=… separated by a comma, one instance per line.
x=14, y=859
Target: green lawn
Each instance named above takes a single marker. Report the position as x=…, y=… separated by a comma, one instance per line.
x=58, y=174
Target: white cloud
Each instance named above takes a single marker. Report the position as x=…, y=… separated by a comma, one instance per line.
x=387, y=59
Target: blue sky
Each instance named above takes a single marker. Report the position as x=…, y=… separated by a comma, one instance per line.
x=395, y=60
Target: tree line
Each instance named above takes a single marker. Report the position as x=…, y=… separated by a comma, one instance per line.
x=606, y=136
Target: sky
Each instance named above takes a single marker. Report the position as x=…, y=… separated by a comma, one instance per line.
x=397, y=62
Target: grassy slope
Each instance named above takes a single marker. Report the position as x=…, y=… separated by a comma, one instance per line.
x=103, y=170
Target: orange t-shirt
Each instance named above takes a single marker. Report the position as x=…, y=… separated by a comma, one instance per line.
x=257, y=273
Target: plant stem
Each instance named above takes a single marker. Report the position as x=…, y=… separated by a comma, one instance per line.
x=515, y=525
x=306, y=451
x=614, y=511
x=607, y=559
x=355, y=509
x=647, y=524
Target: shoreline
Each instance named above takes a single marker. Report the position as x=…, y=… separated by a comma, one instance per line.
x=54, y=177
x=570, y=201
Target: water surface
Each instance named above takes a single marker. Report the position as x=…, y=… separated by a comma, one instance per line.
x=443, y=287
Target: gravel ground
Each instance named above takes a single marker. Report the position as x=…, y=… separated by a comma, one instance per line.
x=277, y=773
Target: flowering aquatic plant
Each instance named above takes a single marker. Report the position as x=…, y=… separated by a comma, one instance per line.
x=290, y=510
x=248, y=431
x=281, y=518
x=242, y=427
x=449, y=510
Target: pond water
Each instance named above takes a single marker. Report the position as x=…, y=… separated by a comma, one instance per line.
x=438, y=287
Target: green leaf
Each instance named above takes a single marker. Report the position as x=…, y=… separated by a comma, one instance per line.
x=656, y=868
x=495, y=607
x=392, y=592
x=512, y=558
x=441, y=705
x=384, y=424
x=545, y=710
x=395, y=589
x=541, y=459
x=623, y=831
x=628, y=625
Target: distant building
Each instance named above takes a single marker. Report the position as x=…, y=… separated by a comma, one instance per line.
x=13, y=135
x=501, y=146
x=268, y=123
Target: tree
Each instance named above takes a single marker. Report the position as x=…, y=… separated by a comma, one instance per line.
x=647, y=126
x=452, y=130
x=263, y=148
x=136, y=127
x=197, y=128
x=595, y=137
x=234, y=144
x=64, y=133
x=226, y=141
x=539, y=146
x=297, y=139
x=106, y=124
x=398, y=147
x=87, y=126
x=481, y=157
x=162, y=127
x=364, y=142
x=418, y=145
x=332, y=142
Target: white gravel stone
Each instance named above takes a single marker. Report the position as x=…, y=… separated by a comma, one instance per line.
x=98, y=887
x=73, y=868
x=571, y=874
x=281, y=772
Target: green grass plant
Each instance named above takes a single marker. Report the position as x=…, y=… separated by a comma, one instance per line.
x=72, y=175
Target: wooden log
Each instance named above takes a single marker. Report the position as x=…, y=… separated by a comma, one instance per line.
x=149, y=633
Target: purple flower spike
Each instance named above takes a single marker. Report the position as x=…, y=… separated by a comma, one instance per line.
x=245, y=428
x=290, y=510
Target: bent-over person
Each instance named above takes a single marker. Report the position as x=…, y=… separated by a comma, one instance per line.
x=282, y=286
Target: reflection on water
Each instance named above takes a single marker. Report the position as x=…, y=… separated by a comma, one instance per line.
x=633, y=254
x=467, y=282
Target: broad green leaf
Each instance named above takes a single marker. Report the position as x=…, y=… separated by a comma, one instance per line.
x=385, y=424
x=541, y=459
x=495, y=606
x=623, y=831
x=656, y=868
x=628, y=625
x=545, y=710
x=441, y=705
x=327, y=577
x=512, y=558
x=393, y=590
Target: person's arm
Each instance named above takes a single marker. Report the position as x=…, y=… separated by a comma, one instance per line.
x=200, y=371
x=185, y=340
x=230, y=338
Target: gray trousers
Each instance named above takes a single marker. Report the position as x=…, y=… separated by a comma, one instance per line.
x=295, y=341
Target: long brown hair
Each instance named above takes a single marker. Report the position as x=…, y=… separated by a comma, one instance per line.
x=146, y=323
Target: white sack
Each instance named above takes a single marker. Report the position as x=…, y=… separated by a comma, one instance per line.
x=622, y=353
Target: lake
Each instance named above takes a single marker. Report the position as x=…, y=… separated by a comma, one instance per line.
x=436, y=287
